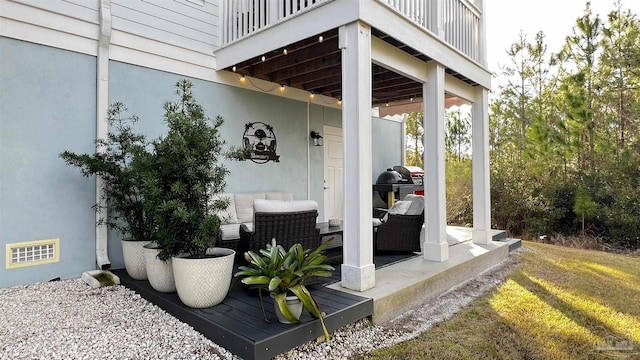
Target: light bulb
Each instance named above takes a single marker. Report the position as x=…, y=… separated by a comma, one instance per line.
x=320, y=39
x=263, y=58
x=234, y=69
x=285, y=52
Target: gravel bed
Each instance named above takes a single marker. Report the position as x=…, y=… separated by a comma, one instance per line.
x=69, y=320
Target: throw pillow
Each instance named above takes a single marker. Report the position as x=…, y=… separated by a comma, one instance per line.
x=400, y=207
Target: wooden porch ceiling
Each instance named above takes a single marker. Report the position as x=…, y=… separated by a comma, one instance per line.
x=315, y=66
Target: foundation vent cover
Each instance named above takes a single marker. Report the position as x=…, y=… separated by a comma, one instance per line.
x=32, y=253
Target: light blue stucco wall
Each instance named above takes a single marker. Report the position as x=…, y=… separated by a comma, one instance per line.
x=387, y=145
x=47, y=105
x=387, y=150
x=320, y=116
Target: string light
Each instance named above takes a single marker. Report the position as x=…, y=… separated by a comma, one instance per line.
x=263, y=58
x=285, y=52
x=233, y=68
x=283, y=87
x=320, y=39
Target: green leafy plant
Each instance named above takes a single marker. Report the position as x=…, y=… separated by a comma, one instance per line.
x=187, y=176
x=124, y=164
x=281, y=272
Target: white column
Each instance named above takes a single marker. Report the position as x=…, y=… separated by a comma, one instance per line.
x=480, y=170
x=358, y=271
x=435, y=245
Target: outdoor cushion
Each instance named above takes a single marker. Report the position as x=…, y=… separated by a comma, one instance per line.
x=400, y=207
x=417, y=204
x=244, y=205
x=227, y=216
x=260, y=205
x=230, y=231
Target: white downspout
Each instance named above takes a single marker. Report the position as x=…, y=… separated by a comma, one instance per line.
x=102, y=127
x=308, y=151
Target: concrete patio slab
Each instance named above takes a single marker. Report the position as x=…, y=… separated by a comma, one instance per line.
x=409, y=283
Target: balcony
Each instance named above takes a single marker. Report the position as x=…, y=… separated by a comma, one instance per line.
x=458, y=23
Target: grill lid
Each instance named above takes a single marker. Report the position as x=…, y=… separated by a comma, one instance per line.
x=389, y=177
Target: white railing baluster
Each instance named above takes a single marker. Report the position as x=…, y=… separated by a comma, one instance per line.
x=458, y=22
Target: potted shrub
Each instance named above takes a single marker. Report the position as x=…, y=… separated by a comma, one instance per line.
x=187, y=176
x=123, y=164
x=283, y=273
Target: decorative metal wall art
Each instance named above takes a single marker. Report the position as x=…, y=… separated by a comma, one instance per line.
x=259, y=143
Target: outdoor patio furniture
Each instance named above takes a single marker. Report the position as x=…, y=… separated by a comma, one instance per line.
x=289, y=222
x=240, y=211
x=399, y=229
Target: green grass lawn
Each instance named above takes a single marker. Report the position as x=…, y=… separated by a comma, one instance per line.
x=561, y=303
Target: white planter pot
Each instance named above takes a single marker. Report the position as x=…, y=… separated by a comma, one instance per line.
x=159, y=272
x=203, y=283
x=295, y=306
x=134, y=258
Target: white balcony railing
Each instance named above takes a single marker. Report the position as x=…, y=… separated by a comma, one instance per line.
x=457, y=22
x=241, y=18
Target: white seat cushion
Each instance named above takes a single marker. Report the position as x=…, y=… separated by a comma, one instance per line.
x=227, y=216
x=260, y=205
x=417, y=204
x=244, y=206
x=230, y=231
x=399, y=208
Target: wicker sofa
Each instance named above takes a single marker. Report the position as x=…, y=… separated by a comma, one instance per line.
x=289, y=222
x=240, y=211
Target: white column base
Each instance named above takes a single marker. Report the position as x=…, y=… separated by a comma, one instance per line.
x=358, y=278
x=482, y=237
x=435, y=251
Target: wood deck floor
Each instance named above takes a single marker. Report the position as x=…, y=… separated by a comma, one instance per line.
x=238, y=324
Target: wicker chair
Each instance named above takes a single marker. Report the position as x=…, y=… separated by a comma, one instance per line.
x=287, y=227
x=401, y=232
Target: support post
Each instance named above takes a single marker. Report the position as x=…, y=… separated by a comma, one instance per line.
x=436, y=246
x=480, y=168
x=358, y=270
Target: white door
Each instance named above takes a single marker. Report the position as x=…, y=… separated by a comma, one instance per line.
x=333, y=173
